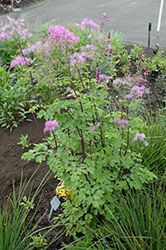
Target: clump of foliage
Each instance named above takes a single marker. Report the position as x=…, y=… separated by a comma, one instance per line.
x=16, y=226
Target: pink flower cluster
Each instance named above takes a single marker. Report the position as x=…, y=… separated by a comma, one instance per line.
x=51, y=126
x=31, y=48
x=138, y=90
x=89, y=23
x=136, y=84
x=92, y=128
x=104, y=17
x=91, y=47
x=123, y=81
x=101, y=77
x=62, y=34
x=4, y=36
x=79, y=58
x=15, y=27
x=121, y=122
x=140, y=137
x=20, y=60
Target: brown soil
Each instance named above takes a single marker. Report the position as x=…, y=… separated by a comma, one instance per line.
x=11, y=166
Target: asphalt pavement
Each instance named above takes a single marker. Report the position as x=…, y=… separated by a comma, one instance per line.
x=130, y=17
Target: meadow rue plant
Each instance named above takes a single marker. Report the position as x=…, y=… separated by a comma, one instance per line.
x=89, y=146
x=89, y=153
x=91, y=156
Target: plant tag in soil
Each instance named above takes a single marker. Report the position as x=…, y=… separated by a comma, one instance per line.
x=54, y=205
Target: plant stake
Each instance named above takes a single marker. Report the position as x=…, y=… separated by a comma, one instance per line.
x=159, y=24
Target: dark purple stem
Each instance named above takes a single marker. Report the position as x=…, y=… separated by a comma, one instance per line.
x=83, y=147
x=121, y=144
x=56, y=146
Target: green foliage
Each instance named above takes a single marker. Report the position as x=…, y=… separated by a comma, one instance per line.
x=24, y=141
x=156, y=63
x=15, y=231
x=8, y=49
x=27, y=203
x=154, y=155
x=95, y=164
x=135, y=52
x=13, y=100
x=161, y=81
x=139, y=219
x=85, y=243
x=39, y=242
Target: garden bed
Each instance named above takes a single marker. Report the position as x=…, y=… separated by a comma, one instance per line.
x=10, y=158
x=11, y=152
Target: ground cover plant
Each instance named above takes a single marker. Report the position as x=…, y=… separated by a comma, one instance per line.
x=93, y=97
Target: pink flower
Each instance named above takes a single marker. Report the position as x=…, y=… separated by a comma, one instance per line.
x=20, y=60
x=104, y=17
x=92, y=128
x=98, y=125
x=31, y=48
x=68, y=89
x=139, y=90
x=146, y=71
x=121, y=122
x=104, y=78
x=62, y=34
x=51, y=126
x=4, y=36
x=101, y=77
x=91, y=47
x=89, y=23
x=79, y=57
x=129, y=96
x=140, y=137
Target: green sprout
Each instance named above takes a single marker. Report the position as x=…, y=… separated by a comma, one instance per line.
x=39, y=242
x=24, y=141
x=27, y=203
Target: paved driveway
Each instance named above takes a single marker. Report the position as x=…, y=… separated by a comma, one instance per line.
x=131, y=17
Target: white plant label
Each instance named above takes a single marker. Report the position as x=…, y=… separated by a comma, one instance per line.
x=55, y=203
